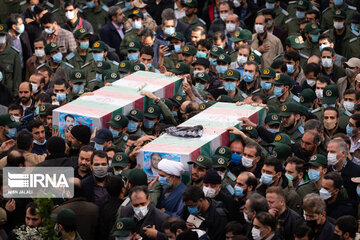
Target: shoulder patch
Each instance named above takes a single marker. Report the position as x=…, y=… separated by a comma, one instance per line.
x=355, y=33
x=271, y=97
x=244, y=95
x=69, y=65
x=315, y=8
x=55, y=10
x=256, y=91
x=231, y=176
x=47, y=3
x=125, y=202
x=284, y=12
x=296, y=98
x=105, y=8
x=325, y=10
x=115, y=63
x=80, y=10
x=352, y=8
x=301, y=129
x=125, y=137
x=70, y=56
x=289, y=20
x=257, y=53
x=327, y=31
x=304, y=55
x=276, y=57
x=84, y=8
x=292, y=2
x=353, y=40
x=22, y=3
x=128, y=30
x=316, y=110
x=347, y=113
x=230, y=189
x=40, y=66
x=85, y=65
x=16, y=50
x=94, y=80
x=202, y=21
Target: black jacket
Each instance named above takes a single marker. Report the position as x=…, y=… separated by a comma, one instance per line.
x=107, y=216
x=326, y=232
x=341, y=207
x=111, y=37
x=155, y=9
x=88, y=185
x=230, y=205
x=288, y=221
x=5, y=95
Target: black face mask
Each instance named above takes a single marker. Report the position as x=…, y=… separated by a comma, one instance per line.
x=336, y=237
x=312, y=223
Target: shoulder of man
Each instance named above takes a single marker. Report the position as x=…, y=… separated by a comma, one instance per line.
x=70, y=56
x=289, y=20
x=304, y=55
x=283, y=11
x=256, y=91
x=69, y=65
x=15, y=49
x=351, y=8
x=296, y=98
x=353, y=40
x=326, y=10
x=105, y=8
x=316, y=110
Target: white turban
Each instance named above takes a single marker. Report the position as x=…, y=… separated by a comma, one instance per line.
x=171, y=167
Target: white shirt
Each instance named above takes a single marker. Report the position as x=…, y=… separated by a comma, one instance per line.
x=179, y=13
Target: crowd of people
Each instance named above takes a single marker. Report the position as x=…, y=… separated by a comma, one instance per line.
x=294, y=176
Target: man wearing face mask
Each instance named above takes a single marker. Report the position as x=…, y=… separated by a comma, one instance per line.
x=264, y=226
x=81, y=55
x=171, y=58
x=137, y=18
x=349, y=100
x=280, y=14
x=77, y=84
x=246, y=183
x=338, y=160
x=36, y=127
x=118, y=128
x=254, y=204
x=170, y=173
x=290, y=119
x=218, y=24
x=267, y=77
x=292, y=25
x=8, y=130
x=308, y=99
x=96, y=13
x=93, y=186
x=337, y=202
x=219, y=164
x=295, y=171
x=353, y=130
x=231, y=81
x=136, y=118
x=37, y=59
x=120, y=162
x=151, y=118
x=103, y=139
x=346, y=227
x=266, y=43
x=250, y=78
x=327, y=15
x=293, y=68
x=73, y=21
x=352, y=68
x=326, y=40
x=65, y=225
x=312, y=33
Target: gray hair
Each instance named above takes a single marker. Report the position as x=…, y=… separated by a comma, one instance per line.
x=258, y=203
x=313, y=203
x=113, y=11
x=313, y=124
x=342, y=146
x=168, y=14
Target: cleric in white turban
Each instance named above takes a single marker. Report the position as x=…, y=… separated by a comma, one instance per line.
x=173, y=188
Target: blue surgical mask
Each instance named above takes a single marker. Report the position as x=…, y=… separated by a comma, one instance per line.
x=84, y=45
x=77, y=88
x=98, y=77
x=201, y=54
x=37, y=111
x=272, y=130
x=137, y=25
x=290, y=68
x=39, y=143
x=1, y=76
x=98, y=57
x=132, y=126
x=358, y=190
x=12, y=133
x=149, y=124
x=49, y=30
x=90, y=4
x=169, y=31
x=239, y=191
x=149, y=65
x=200, y=86
x=315, y=38
x=355, y=27
x=236, y=159
x=289, y=177
x=300, y=15
x=114, y=133
x=338, y=2
x=60, y=97
x=314, y=175
x=133, y=57
x=270, y=5
x=221, y=69
x=248, y=77
x=128, y=5
x=32, y=8
x=266, y=179
x=229, y=86
x=177, y=48
x=193, y=210
x=57, y=58
x=163, y=182
x=212, y=61
x=98, y=147
x=278, y=91
x=266, y=85
x=349, y=130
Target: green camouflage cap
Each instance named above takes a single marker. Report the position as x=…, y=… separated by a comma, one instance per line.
x=111, y=76
x=125, y=66
x=311, y=28
x=133, y=46
x=179, y=99
x=307, y=96
x=152, y=112
x=120, y=159
x=123, y=227
x=3, y=29
x=181, y=68
x=205, y=105
x=8, y=120
x=66, y=217
x=224, y=58
x=43, y=108
x=191, y=3
x=289, y=108
x=137, y=67
x=125, y=173
x=330, y=94
x=281, y=151
x=189, y=50
x=99, y=46
x=282, y=138
x=137, y=177
x=203, y=76
x=254, y=57
x=339, y=14
x=318, y=160
x=136, y=114
x=224, y=151
x=219, y=161
x=202, y=161
x=81, y=33
x=77, y=76
x=168, y=103
x=295, y=42
x=216, y=51
x=302, y=110
x=136, y=13
x=51, y=47
x=176, y=35
x=302, y=4
x=282, y=79
x=268, y=72
x=102, y=66
x=252, y=131
x=231, y=74
x=272, y=119
x=242, y=35
x=225, y=98
x=118, y=121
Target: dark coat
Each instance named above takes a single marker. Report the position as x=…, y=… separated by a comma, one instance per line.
x=108, y=212
x=289, y=221
x=341, y=207
x=5, y=95
x=111, y=37
x=155, y=9
x=281, y=34
x=88, y=185
x=326, y=231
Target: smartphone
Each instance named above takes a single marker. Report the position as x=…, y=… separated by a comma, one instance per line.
x=171, y=48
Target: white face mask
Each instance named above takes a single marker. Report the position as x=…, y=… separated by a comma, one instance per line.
x=70, y=15
x=338, y=25
x=2, y=39
x=311, y=82
x=324, y=194
x=224, y=16
x=247, y=162
x=35, y=87
x=222, y=174
x=209, y=192
x=140, y=212
x=319, y=93
x=255, y=233
x=326, y=62
x=17, y=118
x=259, y=28
x=39, y=52
x=230, y=27
x=246, y=217
x=349, y=106
x=241, y=60
x=332, y=160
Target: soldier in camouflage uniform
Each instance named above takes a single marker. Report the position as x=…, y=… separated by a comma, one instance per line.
x=267, y=87
x=281, y=15
x=173, y=57
x=151, y=118
x=134, y=34
x=77, y=85
x=98, y=82
x=231, y=82
x=136, y=118
x=191, y=17
x=96, y=13
x=328, y=13
x=118, y=128
x=120, y=162
x=292, y=25
x=290, y=124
